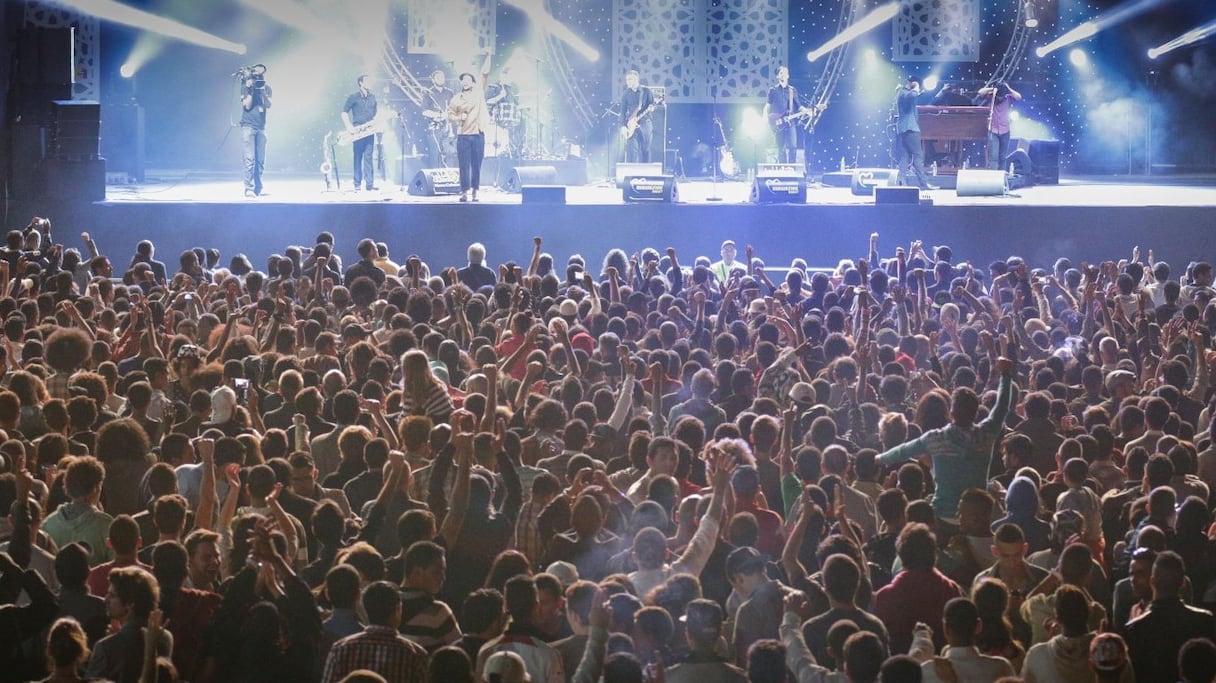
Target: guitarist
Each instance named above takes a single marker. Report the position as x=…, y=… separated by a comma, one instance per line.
x=783, y=104
x=360, y=108
x=440, y=140
x=637, y=128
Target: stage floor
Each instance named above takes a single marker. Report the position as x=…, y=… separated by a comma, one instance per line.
x=1106, y=191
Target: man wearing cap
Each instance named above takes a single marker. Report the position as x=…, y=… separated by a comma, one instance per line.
x=1119, y=384
x=703, y=628
x=760, y=614
x=721, y=269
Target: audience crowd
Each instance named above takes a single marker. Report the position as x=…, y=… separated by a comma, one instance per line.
x=906, y=468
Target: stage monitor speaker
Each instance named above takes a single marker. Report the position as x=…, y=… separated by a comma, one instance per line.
x=625, y=169
x=1021, y=171
x=530, y=175
x=650, y=188
x=778, y=190
x=543, y=194
x=1045, y=161
x=974, y=182
x=435, y=181
x=76, y=131
x=896, y=195
x=865, y=180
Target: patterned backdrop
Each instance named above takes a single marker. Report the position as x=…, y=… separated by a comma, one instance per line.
x=936, y=31
x=435, y=23
x=696, y=50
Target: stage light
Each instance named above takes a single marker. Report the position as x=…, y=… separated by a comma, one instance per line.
x=755, y=126
x=109, y=10
x=535, y=10
x=1078, y=57
x=871, y=56
x=1089, y=29
x=126, y=70
x=1189, y=38
x=1030, y=18
x=871, y=21
x=931, y=82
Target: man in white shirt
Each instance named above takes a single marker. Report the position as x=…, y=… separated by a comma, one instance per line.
x=961, y=621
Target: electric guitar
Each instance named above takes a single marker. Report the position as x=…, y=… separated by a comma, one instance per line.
x=631, y=126
x=780, y=123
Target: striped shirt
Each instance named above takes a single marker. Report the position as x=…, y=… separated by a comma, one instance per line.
x=427, y=621
x=436, y=404
x=380, y=649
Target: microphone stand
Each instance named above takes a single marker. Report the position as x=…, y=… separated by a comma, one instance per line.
x=715, y=161
x=608, y=137
x=538, y=61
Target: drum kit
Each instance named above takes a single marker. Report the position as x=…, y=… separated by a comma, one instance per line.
x=507, y=136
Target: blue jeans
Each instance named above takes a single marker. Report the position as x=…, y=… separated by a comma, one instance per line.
x=998, y=150
x=364, y=173
x=253, y=141
x=470, y=151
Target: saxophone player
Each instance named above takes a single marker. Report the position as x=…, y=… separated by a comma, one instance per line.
x=360, y=108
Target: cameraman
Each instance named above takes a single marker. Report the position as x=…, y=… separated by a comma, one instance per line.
x=255, y=100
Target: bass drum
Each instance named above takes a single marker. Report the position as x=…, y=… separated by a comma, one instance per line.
x=507, y=115
x=498, y=142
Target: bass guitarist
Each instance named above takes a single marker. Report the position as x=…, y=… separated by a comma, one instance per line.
x=440, y=136
x=784, y=110
x=637, y=128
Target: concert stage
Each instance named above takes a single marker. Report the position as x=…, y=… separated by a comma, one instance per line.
x=1081, y=218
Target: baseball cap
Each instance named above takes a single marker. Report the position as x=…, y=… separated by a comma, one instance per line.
x=508, y=666
x=354, y=330
x=564, y=571
x=743, y=560
x=802, y=392
x=188, y=351
x=703, y=619
x=1118, y=377
x=756, y=307
x=727, y=243
x=567, y=308
x=1108, y=652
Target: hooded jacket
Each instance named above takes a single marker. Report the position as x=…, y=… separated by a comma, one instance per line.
x=1064, y=659
x=75, y=521
x=1022, y=506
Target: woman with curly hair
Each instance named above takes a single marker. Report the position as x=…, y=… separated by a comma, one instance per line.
x=123, y=447
x=996, y=637
x=32, y=393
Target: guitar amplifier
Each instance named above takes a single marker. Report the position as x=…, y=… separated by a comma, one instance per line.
x=435, y=181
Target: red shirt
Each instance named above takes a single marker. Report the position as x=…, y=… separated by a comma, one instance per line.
x=99, y=576
x=912, y=596
x=771, y=541
x=508, y=346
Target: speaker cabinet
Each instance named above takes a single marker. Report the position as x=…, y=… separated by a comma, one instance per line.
x=530, y=175
x=75, y=179
x=1045, y=161
x=430, y=182
x=866, y=179
x=46, y=56
x=896, y=195
x=974, y=182
x=543, y=194
x=650, y=188
x=76, y=131
x=778, y=190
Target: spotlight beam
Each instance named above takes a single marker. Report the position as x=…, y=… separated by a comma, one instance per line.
x=868, y=23
x=1103, y=21
x=1189, y=38
x=535, y=11
x=109, y=10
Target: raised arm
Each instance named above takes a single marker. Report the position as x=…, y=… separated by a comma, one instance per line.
x=453, y=522
x=207, y=497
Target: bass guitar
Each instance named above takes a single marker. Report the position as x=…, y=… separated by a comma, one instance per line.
x=631, y=126
x=810, y=114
